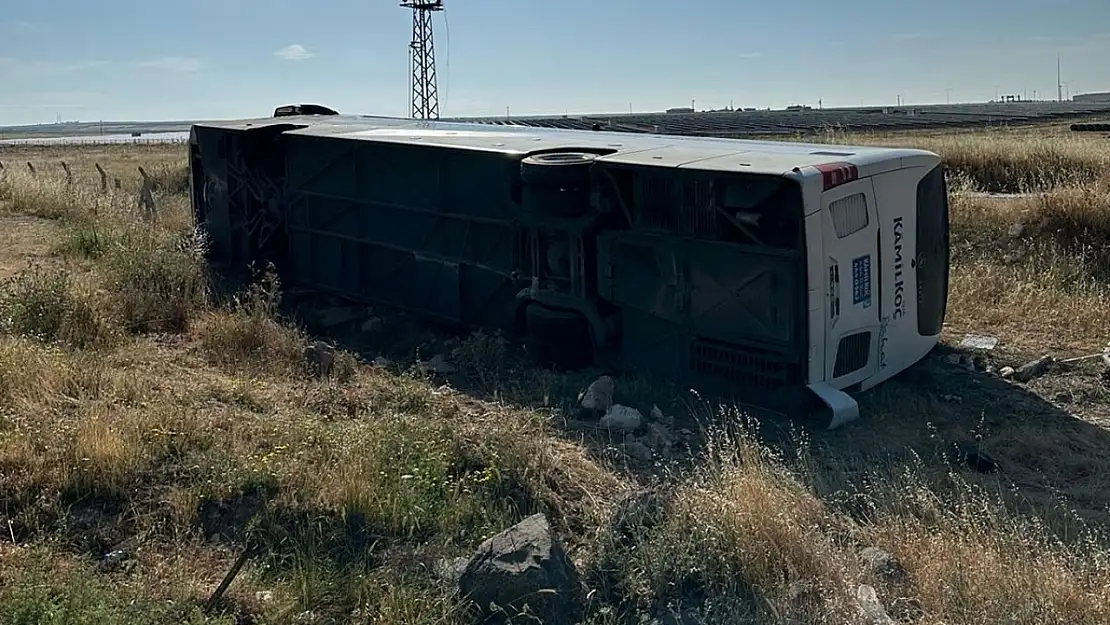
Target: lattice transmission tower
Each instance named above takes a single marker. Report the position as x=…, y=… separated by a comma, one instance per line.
x=425, y=93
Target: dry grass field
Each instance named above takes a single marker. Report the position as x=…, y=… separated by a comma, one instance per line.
x=151, y=427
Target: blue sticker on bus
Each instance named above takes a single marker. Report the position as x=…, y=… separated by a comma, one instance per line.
x=861, y=281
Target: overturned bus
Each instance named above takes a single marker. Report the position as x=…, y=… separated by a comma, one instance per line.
x=767, y=270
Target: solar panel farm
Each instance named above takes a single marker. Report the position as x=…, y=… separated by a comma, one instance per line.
x=176, y=446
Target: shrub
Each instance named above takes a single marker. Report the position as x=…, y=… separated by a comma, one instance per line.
x=44, y=304
x=157, y=279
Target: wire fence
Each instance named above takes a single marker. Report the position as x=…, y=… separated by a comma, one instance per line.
x=163, y=179
x=170, y=138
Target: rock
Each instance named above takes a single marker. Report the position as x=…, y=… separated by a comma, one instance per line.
x=372, y=325
x=1034, y=369
x=953, y=359
x=438, y=364
x=264, y=596
x=870, y=608
x=333, y=317
x=450, y=570
x=883, y=565
x=1016, y=230
x=639, y=452
x=598, y=396
x=952, y=399
x=525, y=565
x=658, y=416
x=383, y=362
x=659, y=438
x=320, y=358
x=622, y=418
x=1006, y=372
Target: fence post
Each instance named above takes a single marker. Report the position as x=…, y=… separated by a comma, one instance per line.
x=118, y=185
x=103, y=178
x=146, y=197
x=31, y=167
x=1, y=165
x=69, y=174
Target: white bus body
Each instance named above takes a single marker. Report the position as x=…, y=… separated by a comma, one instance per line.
x=855, y=297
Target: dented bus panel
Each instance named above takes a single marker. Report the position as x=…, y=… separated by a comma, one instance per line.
x=758, y=269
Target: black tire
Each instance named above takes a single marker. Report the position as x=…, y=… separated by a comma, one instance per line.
x=557, y=338
x=561, y=170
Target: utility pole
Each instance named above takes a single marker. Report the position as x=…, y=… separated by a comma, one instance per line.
x=425, y=93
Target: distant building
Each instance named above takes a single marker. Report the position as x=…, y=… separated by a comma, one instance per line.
x=686, y=109
x=1092, y=97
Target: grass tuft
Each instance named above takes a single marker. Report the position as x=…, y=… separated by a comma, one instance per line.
x=157, y=280
x=45, y=304
x=250, y=336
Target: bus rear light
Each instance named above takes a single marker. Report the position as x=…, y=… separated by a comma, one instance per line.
x=836, y=174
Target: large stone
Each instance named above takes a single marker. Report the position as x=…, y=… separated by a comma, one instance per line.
x=334, y=317
x=524, y=571
x=598, y=396
x=1034, y=369
x=437, y=364
x=870, y=608
x=622, y=418
x=639, y=452
x=320, y=358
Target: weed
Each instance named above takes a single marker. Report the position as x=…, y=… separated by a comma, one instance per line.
x=157, y=280
x=44, y=304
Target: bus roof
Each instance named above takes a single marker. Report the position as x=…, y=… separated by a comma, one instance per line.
x=705, y=153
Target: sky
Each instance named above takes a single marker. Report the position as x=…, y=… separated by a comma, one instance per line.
x=143, y=60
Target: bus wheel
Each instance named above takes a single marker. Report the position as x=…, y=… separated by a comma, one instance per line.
x=557, y=338
x=560, y=170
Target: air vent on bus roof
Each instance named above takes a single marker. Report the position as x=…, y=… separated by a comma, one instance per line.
x=849, y=214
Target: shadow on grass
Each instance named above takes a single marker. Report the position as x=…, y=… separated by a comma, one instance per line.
x=1051, y=464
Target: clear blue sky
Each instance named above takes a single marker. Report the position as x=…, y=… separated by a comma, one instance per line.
x=188, y=59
